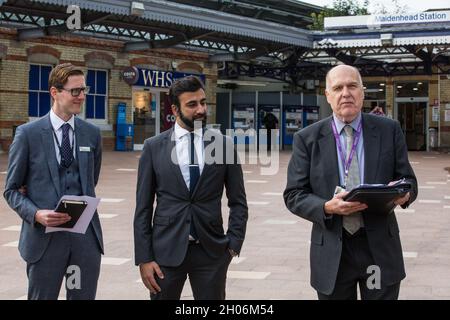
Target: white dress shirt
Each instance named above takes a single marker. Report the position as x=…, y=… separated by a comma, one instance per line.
x=57, y=124
x=182, y=139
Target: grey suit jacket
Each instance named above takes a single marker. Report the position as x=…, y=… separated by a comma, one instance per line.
x=162, y=234
x=32, y=162
x=313, y=175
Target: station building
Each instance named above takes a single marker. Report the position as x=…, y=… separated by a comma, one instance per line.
x=255, y=57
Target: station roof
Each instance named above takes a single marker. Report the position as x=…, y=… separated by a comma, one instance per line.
x=388, y=50
x=288, y=12
x=228, y=30
x=252, y=37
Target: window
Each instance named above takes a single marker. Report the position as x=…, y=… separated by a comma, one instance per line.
x=375, y=96
x=411, y=89
x=97, y=98
x=38, y=95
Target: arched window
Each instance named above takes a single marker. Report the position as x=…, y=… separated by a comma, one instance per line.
x=98, y=65
x=97, y=98
x=39, y=101
x=41, y=59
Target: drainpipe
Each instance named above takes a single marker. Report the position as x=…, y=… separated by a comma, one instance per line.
x=439, y=110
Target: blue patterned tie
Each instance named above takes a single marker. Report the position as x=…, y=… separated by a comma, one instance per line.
x=66, y=149
x=194, y=175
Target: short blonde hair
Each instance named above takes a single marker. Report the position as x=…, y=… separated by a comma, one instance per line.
x=60, y=74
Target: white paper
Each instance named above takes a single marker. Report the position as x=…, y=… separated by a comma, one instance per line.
x=85, y=218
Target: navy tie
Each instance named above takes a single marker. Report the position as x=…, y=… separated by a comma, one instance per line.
x=66, y=149
x=194, y=171
x=194, y=175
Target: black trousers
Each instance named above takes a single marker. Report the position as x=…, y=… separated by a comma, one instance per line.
x=353, y=270
x=207, y=276
x=269, y=140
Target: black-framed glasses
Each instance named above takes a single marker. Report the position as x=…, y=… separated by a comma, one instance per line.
x=75, y=92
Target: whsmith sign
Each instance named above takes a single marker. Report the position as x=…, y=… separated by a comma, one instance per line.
x=376, y=21
x=153, y=78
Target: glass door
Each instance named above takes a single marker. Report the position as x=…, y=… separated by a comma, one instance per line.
x=145, y=103
x=412, y=118
x=167, y=118
x=151, y=114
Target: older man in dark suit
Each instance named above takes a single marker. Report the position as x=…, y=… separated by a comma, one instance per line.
x=337, y=154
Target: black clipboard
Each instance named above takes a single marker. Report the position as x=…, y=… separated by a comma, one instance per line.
x=379, y=198
x=74, y=208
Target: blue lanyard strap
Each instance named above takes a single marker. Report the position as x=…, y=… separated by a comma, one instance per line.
x=346, y=163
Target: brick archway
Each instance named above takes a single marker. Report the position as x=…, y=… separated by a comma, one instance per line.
x=98, y=59
x=150, y=62
x=43, y=54
x=190, y=66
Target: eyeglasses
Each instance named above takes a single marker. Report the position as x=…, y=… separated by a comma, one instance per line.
x=75, y=92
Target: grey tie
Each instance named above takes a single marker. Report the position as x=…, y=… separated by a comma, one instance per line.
x=353, y=222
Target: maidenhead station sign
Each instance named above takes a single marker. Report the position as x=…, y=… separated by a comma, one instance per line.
x=418, y=17
x=379, y=20
x=153, y=78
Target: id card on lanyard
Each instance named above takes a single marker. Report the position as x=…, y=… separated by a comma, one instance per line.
x=346, y=162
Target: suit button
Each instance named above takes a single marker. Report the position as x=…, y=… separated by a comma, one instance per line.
x=68, y=172
x=188, y=221
x=68, y=188
x=340, y=238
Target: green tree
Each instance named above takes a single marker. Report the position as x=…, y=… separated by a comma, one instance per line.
x=340, y=8
x=380, y=8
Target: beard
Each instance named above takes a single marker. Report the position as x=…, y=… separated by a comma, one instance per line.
x=190, y=123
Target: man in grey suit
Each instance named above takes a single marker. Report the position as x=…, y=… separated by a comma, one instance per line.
x=57, y=155
x=335, y=154
x=184, y=235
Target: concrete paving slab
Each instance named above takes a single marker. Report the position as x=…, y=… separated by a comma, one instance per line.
x=276, y=252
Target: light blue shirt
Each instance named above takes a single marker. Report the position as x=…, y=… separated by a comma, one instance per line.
x=359, y=148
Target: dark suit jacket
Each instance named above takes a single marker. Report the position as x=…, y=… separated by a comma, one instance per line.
x=32, y=162
x=162, y=235
x=313, y=175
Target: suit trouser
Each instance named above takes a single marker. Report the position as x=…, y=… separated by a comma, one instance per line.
x=269, y=139
x=81, y=253
x=207, y=276
x=355, y=259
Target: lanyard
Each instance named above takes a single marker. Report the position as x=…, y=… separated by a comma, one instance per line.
x=59, y=144
x=346, y=163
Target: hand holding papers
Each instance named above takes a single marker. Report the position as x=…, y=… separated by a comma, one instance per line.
x=379, y=198
x=80, y=208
